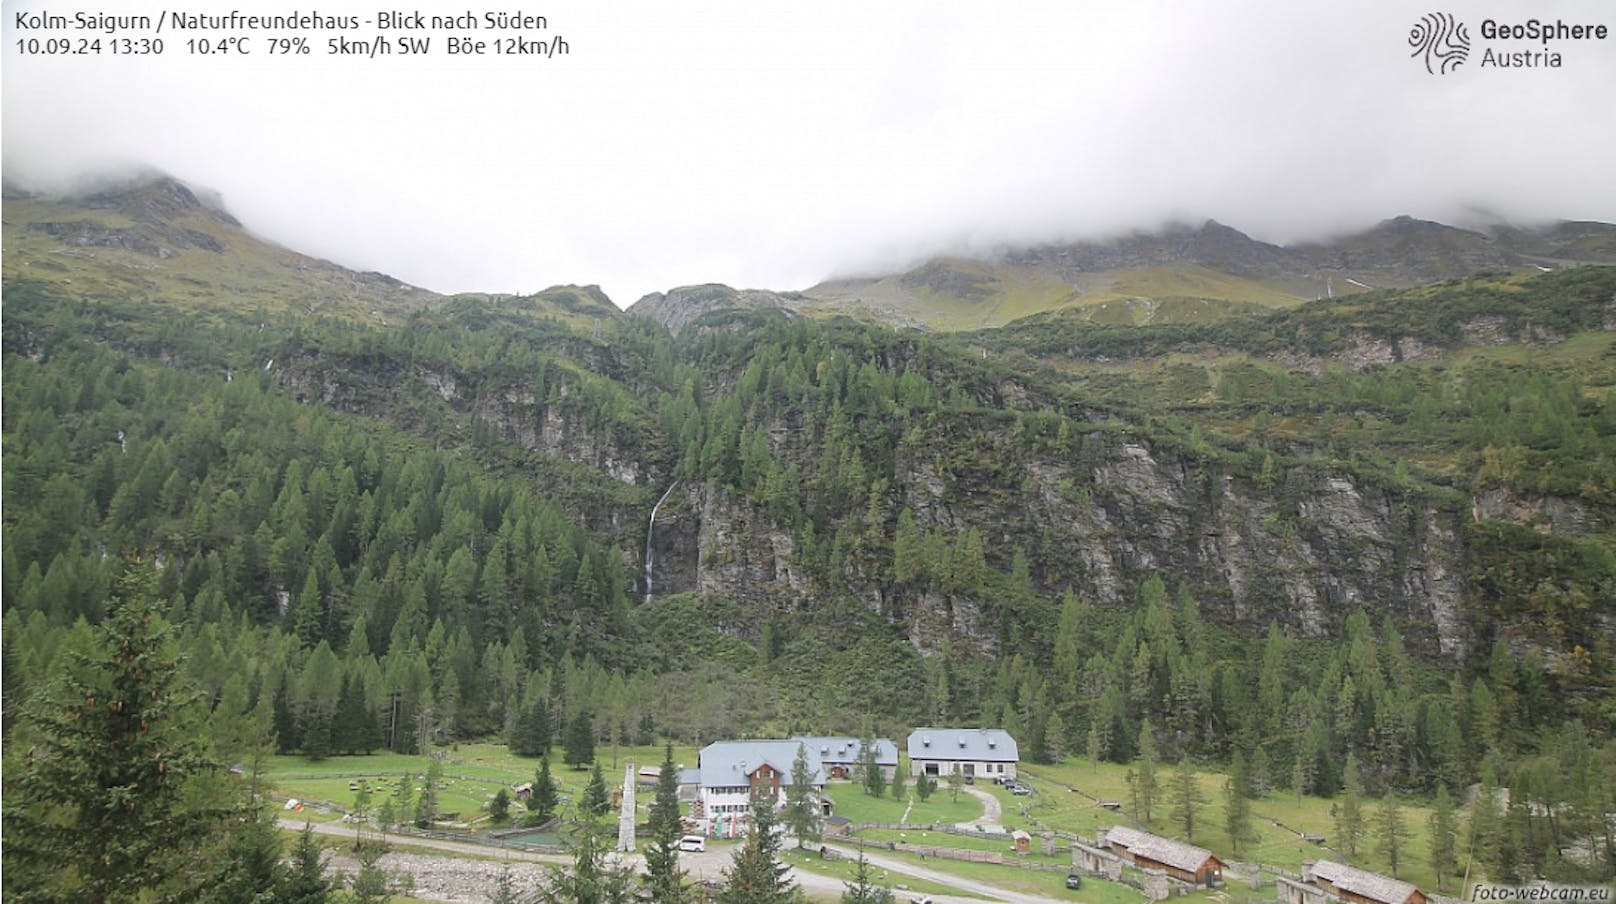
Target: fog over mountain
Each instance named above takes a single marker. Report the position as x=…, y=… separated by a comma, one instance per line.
x=776, y=145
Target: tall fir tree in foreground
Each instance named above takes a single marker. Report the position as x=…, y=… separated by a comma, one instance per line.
x=591, y=879
x=249, y=870
x=116, y=793
x=662, y=876
x=305, y=881
x=756, y=876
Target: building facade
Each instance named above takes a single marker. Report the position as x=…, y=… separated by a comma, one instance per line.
x=734, y=773
x=977, y=753
x=1184, y=862
x=1328, y=882
x=840, y=756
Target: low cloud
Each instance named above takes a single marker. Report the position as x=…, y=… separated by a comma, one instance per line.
x=773, y=144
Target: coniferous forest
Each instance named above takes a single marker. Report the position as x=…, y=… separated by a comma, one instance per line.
x=308, y=535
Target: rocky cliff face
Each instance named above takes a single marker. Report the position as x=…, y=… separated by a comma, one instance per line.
x=1304, y=553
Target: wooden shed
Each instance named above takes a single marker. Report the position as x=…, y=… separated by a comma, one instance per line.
x=1358, y=886
x=1184, y=862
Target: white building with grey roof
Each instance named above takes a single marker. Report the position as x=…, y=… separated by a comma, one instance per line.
x=986, y=753
x=734, y=773
x=840, y=756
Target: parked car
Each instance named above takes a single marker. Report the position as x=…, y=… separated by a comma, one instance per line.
x=920, y=899
x=1020, y=790
x=693, y=843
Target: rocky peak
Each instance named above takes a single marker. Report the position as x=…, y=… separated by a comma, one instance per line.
x=677, y=309
x=155, y=198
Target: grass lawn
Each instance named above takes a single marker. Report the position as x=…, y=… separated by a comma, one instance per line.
x=852, y=803
x=472, y=775
x=1277, y=818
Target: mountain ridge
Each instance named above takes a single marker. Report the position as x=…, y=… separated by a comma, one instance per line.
x=1178, y=273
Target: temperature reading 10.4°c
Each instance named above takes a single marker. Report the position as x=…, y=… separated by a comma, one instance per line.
x=219, y=46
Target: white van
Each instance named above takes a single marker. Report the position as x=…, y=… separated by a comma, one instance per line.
x=693, y=843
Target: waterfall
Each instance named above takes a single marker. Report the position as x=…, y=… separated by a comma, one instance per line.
x=650, y=527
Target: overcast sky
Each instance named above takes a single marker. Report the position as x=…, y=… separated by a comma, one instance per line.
x=774, y=143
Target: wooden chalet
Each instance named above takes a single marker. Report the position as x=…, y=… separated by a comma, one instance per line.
x=1184, y=862
x=1358, y=886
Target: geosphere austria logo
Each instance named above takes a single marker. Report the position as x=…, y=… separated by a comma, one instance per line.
x=1441, y=40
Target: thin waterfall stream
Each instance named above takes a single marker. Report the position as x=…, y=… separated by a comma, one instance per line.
x=650, y=528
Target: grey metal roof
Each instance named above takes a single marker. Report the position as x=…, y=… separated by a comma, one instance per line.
x=689, y=776
x=846, y=750
x=1186, y=857
x=1362, y=882
x=726, y=764
x=981, y=744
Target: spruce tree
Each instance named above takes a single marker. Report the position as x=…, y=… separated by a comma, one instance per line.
x=802, y=809
x=924, y=786
x=595, y=801
x=875, y=781
x=756, y=876
x=249, y=870
x=542, y=802
x=591, y=879
x=662, y=877
x=305, y=881
x=580, y=742
x=369, y=884
x=862, y=889
x=109, y=798
x=287, y=738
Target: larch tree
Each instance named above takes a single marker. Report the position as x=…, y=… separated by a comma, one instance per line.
x=1187, y=798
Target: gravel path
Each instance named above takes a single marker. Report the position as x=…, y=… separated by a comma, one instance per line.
x=439, y=878
x=992, y=813
x=991, y=892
